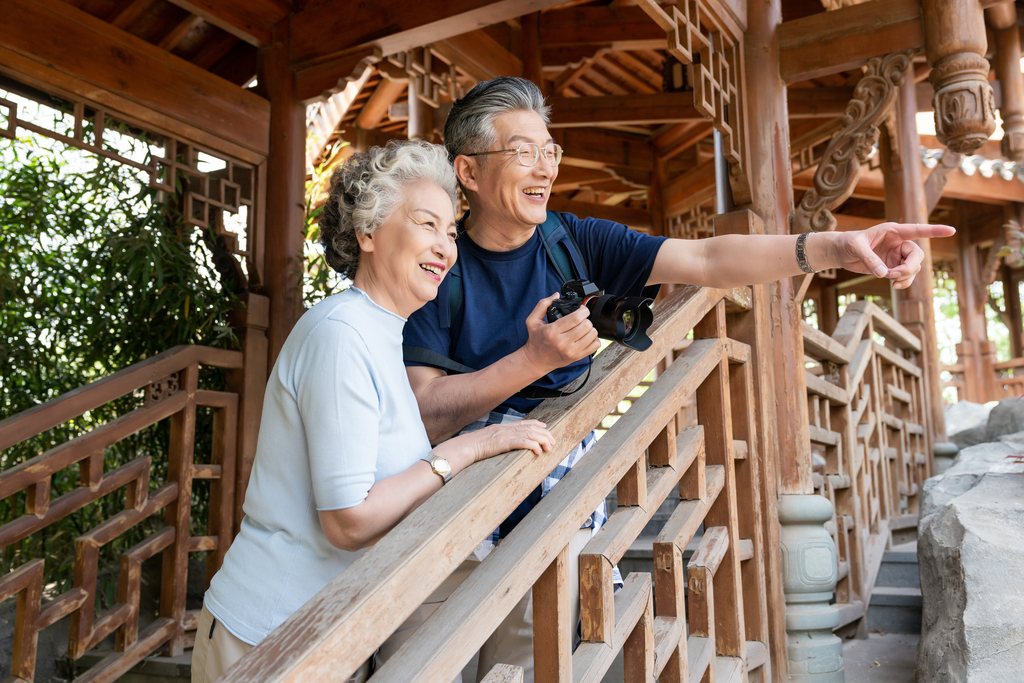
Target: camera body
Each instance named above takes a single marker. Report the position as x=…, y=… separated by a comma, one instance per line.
x=575, y=293
x=621, y=319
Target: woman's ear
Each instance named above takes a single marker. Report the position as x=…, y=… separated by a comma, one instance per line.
x=467, y=170
x=365, y=241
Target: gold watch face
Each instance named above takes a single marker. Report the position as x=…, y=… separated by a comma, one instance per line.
x=442, y=467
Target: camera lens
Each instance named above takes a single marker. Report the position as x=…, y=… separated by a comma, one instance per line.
x=622, y=319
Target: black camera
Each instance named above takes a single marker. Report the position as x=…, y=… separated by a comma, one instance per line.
x=621, y=319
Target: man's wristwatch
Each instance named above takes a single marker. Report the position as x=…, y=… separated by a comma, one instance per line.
x=440, y=466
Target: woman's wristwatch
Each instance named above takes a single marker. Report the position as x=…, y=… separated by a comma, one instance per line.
x=440, y=466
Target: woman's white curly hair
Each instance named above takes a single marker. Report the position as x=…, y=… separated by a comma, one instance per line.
x=367, y=189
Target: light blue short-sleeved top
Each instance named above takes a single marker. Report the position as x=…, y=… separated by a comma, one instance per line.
x=338, y=415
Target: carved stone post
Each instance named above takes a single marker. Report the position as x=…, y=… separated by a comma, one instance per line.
x=955, y=42
x=809, y=576
x=1003, y=20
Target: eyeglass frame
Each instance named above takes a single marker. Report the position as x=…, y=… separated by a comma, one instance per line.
x=519, y=156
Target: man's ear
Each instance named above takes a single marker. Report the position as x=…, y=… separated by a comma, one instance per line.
x=468, y=171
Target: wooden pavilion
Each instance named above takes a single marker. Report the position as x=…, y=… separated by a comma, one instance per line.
x=688, y=119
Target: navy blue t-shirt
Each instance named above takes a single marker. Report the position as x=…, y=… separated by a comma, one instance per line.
x=501, y=288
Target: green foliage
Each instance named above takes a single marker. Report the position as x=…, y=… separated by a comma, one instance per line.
x=319, y=280
x=96, y=273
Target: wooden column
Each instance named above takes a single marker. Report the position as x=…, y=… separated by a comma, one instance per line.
x=530, y=53
x=771, y=186
x=656, y=196
x=1011, y=299
x=250, y=322
x=905, y=203
x=285, y=213
x=973, y=347
x=829, y=316
x=775, y=333
x=1003, y=20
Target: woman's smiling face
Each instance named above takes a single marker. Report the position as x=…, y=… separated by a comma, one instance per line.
x=405, y=259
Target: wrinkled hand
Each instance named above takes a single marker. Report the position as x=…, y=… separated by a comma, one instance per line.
x=564, y=341
x=529, y=434
x=887, y=250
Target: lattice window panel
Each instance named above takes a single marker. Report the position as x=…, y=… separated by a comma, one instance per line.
x=222, y=200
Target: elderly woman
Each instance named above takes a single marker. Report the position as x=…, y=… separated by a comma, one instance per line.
x=342, y=455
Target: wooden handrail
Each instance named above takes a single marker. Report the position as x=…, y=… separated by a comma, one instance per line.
x=57, y=411
x=329, y=637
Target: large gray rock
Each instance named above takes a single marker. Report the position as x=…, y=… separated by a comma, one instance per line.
x=971, y=553
x=971, y=437
x=964, y=415
x=1007, y=417
x=969, y=466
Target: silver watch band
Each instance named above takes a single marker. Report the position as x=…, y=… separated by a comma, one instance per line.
x=801, y=253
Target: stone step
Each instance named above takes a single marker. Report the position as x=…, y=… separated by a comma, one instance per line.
x=895, y=609
x=899, y=569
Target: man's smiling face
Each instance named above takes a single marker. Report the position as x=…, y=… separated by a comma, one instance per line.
x=508, y=192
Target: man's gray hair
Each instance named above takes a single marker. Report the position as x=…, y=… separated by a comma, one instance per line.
x=367, y=189
x=470, y=124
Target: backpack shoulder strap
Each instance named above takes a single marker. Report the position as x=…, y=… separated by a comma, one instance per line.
x=453, y=296
x=561, y=248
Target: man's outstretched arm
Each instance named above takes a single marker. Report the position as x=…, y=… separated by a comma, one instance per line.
x=449, y=403
x=886, y=250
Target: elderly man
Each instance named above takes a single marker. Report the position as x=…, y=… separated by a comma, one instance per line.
x=487, y=354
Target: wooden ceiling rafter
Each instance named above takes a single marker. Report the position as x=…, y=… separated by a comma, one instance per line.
x=179, y=32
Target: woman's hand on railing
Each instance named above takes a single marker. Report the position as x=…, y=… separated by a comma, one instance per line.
x=886, y=250
x=463, y=450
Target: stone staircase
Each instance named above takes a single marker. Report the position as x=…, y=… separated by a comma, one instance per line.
x=895, y=605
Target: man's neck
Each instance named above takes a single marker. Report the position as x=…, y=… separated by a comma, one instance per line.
x=496, y=235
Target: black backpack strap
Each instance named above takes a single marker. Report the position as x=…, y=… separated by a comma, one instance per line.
x=419, y=354
x=561, y=248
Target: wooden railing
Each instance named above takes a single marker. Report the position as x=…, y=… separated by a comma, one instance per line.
x=678, y=626
x=171, y=380
x=1010, y=378
x=956, y=379
x=866, y=403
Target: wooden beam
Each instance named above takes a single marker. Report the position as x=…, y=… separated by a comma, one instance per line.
x=615, y=26
x=680, y=138
x=178, y=33
x=479, y=55
x=824, y=102
x=976, y=188
x=390, y=88
x=845, y=39
x=249, y=20
x=690, y=189
x=52, y=44
x=595, y=148
x=637, y=219
x=329, y=38
x=674, y=107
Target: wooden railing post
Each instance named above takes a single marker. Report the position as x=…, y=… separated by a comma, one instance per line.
x=250, y=323
x=174, y=578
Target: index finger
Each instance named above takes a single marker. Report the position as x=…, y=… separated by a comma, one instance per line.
x=915, y=231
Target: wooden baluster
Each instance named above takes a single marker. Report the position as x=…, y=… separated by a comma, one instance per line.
x=669, y=584
x=713, y=413
x=179, y=513
x=638, y=652
x=553, y=629
x=222, y=489
x=754, y=579
x=631, y=491
x=597, y=599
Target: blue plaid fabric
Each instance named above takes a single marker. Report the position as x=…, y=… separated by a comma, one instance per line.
x=596, y=519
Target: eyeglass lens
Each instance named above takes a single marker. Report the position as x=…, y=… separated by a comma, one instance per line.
x=529, y=154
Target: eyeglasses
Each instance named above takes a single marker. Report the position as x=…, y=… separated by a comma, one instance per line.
x=528, y=153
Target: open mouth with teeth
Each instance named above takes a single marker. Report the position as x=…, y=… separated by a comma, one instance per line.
x=534, y=192
x=435, y=270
